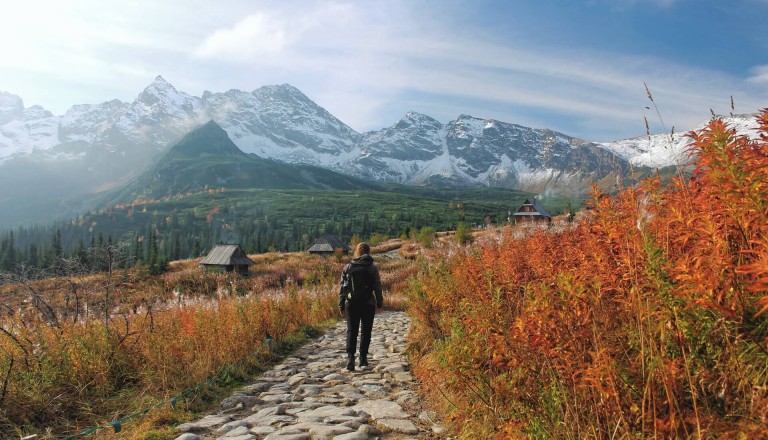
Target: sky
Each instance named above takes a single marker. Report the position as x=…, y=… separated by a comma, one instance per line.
x=579, y=67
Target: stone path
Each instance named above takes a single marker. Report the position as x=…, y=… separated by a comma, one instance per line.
x=311, y=396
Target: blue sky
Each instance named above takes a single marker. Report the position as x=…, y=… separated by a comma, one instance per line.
x=574, y=66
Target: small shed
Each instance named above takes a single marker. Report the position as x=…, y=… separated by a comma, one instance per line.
x=532, y=211
x=227, y=258
x=327, y=245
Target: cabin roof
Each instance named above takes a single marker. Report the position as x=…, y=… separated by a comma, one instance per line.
x=226, y=255
x=328, y=243
x=538, y=210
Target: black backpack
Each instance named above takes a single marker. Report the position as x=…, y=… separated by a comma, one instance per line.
x=358, y=284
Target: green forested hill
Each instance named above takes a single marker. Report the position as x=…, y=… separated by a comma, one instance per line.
x=267, y=219
x=206, y=191
x=206, y=158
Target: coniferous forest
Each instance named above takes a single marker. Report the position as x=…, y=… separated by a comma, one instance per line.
x=181, y=227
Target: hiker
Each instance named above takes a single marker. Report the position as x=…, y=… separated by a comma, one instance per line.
x=360, y=298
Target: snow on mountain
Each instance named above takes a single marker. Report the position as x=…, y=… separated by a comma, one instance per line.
x=661, y=150
x=25, y=130
x=86, y=122
x=471, y=151
x=116, y=140
x=159, y=114
x=279, y=122
x=11, y=107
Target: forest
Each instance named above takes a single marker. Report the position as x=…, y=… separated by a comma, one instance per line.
x=261, y=220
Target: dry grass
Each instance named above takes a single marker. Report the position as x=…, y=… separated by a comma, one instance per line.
x=79, y=350
x=646, y=318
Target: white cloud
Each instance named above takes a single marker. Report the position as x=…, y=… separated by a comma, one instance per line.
x=257, y=34
x=759, y=74
x=367, y=62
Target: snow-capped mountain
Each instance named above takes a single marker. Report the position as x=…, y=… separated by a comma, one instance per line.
x=281, y=123
x=58, y=161
x=672, y=149
x=24, y=130
x=471, y=151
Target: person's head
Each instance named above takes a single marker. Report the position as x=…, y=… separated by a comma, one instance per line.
x=362, y=249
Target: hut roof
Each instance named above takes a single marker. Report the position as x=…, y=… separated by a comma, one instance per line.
x=328, y=243
x=227, y=254
x=538, y=210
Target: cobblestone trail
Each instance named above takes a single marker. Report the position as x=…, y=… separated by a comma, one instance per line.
x=311, y=396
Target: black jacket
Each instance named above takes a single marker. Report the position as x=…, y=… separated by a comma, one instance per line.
x=367, y=261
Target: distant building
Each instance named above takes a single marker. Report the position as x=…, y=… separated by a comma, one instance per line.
x=327, y=245
x=532, y=211
x=227, y=258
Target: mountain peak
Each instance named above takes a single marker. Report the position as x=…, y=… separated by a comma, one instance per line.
x=160, y=80
x=11, y=107
x=208, y=139
x=416, y=116
x=284, y=92
x=417, y=119
x=159, y=87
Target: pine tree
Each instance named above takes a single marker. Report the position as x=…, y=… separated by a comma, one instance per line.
x=138, y=250
x=81, y=253
x=58, y=251
x=176, y=253
x=33, y=257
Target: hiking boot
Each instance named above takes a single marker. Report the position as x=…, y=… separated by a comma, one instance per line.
x=351, y=363
x=363, y=361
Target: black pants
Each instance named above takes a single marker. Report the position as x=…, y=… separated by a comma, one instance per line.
x=355, y=315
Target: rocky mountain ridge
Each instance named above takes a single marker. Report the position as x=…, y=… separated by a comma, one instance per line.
x=93, y=148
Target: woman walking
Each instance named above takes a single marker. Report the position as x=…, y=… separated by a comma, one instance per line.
x=360, y=298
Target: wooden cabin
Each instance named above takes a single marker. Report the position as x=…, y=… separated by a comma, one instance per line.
x=326, y=246
x=227, y=258
x=532, y=211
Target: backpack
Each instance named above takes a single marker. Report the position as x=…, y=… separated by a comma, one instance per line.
x=358, y=284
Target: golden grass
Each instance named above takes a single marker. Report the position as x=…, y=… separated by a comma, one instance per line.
x=77, y=350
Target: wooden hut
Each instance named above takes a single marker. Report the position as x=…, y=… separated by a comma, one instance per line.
x=227, y=258
x=327, y=245
x=532, y=211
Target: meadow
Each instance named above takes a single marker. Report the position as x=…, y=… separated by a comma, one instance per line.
x=83, y=350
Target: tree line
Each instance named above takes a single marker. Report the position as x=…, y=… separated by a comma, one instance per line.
x=155, y=232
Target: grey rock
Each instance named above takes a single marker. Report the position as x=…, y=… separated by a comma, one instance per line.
x=276, y=398
x=329, y=430
x=399, y=425
x=370, y=430
x=206, y=422
x=185, y=436
x=227, y=427
x=439, y=429
x=334, y=376
x=268, y=420
x=288, y=435
x=263, y=431
x=381, y=408
x=242, y=400
x=327, y=411
x=237, y=432
x=428, y=416
x=357, y=435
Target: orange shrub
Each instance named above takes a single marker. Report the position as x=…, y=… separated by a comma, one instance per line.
x=649, y=317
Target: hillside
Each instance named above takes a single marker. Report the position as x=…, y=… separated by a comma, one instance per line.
x=207, y=158
x=262, y=219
